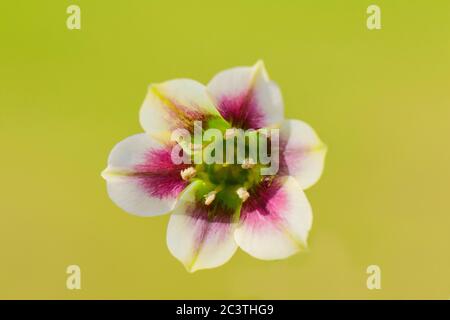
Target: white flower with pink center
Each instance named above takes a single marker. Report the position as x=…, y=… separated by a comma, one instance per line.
x=217, y=207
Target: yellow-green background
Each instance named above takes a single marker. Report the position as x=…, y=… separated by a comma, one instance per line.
x=380, y=100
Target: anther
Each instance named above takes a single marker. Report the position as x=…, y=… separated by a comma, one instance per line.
x=188, y=173
x=230, y=133
x=209, y=197
x=267, y=179
x=242, y=194
x=248, y=163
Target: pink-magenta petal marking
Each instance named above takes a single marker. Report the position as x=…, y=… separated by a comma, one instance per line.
x=210, y=221
x=290, y=159
x=265, y=205
x=159, y=176
x=242, y=111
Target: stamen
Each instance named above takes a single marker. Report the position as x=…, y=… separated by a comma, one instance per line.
x=242, y=194
x=267, y=179
x=230, y=133
x=248, y=163
x=188, y=173
x=209, y=197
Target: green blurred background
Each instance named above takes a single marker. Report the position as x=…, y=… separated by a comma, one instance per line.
x=379, y=99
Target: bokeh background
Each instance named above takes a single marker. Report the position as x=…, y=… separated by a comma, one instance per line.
x=379, y=99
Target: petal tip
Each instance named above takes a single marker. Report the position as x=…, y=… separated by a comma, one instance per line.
x=260, y=67
x=104, y=173
x=189, y=268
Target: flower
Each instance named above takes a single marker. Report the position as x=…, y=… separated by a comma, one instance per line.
x=216, y=208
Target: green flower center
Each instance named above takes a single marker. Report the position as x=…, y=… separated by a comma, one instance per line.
x=228, y=184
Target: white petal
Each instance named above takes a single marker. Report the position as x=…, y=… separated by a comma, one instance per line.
x=199, y=241
x=175, y=104
x=246, y=97
x=128, y=174
x=302, y=153
x=275, y=224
